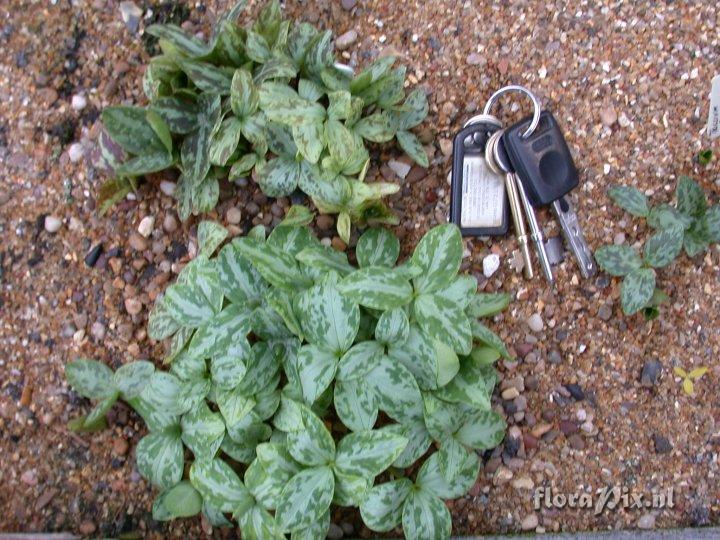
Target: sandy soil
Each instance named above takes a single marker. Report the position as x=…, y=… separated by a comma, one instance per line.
x=628, y=81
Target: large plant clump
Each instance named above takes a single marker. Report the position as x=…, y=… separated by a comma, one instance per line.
x=297, y=381
x=269, y=101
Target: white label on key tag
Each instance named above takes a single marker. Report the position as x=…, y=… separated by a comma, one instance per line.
x=713, y=127
x=483, y=195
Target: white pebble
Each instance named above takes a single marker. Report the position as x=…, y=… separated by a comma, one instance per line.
x=535, y=322
x=52, y=224
x=490, y=264
x=168, y=188
x=146, y=226
x=399, y=168
x=646, y=522
x=76, y=152
x=79, y=102
x=530, y=522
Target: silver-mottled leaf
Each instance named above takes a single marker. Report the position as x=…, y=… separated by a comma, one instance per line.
x=368, y=453
x=439, y=254
x=160, y=458
x=202, y=431
x=630, y=199
x=130, y=379
x=381, y=510
x=220, y=486
x=431, y=480
x=637, y=290
x=305, y=498
x=313, y=445
x=425, y=517
x=377, y=287
x=397, y=392
x=443, y=320
x=355, y=404
x=90, y=378
x=393, y=327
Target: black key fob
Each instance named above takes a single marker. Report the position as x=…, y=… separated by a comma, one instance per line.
x=478, y=201
x=542, y=161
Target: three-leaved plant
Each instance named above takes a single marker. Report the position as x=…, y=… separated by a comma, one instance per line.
x=297, y=381
x=266, y=101
x=689, y=225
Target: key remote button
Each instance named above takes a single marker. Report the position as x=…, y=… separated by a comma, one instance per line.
x=468, y=142
x=478, y=138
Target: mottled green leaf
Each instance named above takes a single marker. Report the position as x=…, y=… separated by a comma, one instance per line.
x=182, y=500
x=210, y=235
x=283, y=105
x=618, y=260
x=316, y=368
x=482, y=430
x=376, y=287
x=487, y=304
x=241, y=283
x=90, y=378
x=412, y=147
x=712, y=224
x=309, y=139
x=630, y=199
x=275, y=266
x=130, y=379
x=313, y=445
x=258, y=524
x=431, y=480
x=325, y=259
x=664, y=216
x=187, y=305
x=439, y=254
x=359, y=360
x=393, y=328
x=160, y=458
x=207, y=77
x=663, y=247
x=305, y=498
x=145, y=164
x=377, y=247
x=691, y=198
x=129, y=128
x=368, y=453
x=220, y=486
x=180, y=115
x=329, y=319
x=381, y=510
x=376, y=128
x=443, y=320
x=355, y=404
x=397, y=392
x=202, y=431
x=275, y=68
x=350, y=489
x=185, y=43
x=195, y=150
x=470, y=385
x=637, y=289
x=425, y=516
x=451, y=457
x=418, y=354
x=225, y=141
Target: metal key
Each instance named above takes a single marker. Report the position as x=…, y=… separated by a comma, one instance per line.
x=544, y=166
x=515, y=205
x=503, y=162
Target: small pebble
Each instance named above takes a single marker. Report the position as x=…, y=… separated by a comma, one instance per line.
x=554, y=357
x=146, y=226
x=79, y=102
x=608, y=116
x=474, y=59
x=137, y=242
x=170, y=223
x=510, y=393
x=605, y=312
x=93, y=255
x=52, y=224
x=535, y=322
x=335, y=532
x=399, y=168
x=87, y=528
x=650, y=372
x=662, y=444
x=131, y=14
x=348, y=4
x=530, y=522
x=646, y=521
x=97, y=330
x=233, y=215
x=346, y=40
x=490, y=264
x=576, y=391
x=120, y=446
x=325, y=222
x=576, y=442
x=168, y=188
x=76, y=152
x=133, y=306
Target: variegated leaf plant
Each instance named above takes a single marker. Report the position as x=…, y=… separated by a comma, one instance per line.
x=690, y=225
x=265, y=101
x=282, y=355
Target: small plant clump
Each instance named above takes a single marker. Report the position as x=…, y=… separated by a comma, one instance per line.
x=689, y=225
x=266, y=101
x=297, y=381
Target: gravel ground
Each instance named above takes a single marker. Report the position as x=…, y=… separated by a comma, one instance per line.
x=628, y=81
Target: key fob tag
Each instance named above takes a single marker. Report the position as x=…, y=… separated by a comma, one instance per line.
x=542, y=161
x=478, y=201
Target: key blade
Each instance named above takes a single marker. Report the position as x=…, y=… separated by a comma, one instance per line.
x=566, y=216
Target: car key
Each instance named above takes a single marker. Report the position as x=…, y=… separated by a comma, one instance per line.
x=545, y=167
x=478, y=203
